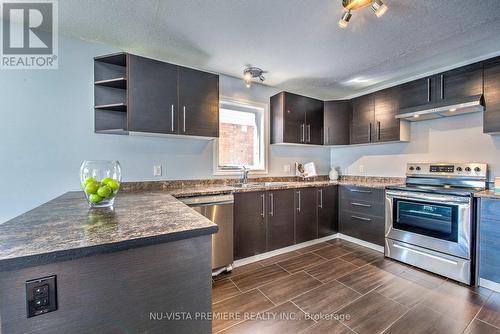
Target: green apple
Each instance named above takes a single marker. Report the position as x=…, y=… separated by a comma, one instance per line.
x=88, y=180
x=113, y=184
x=94, y=198
x=106, y=180
x=91, y=188
x=104, y=191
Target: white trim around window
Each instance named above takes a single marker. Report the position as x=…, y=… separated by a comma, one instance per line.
x=265, y=140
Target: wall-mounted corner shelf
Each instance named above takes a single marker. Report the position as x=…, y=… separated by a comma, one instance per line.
x=113, y=83
x=112, y=106
x=119, y=59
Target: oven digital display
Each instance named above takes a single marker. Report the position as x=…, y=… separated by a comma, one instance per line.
x=442, y=169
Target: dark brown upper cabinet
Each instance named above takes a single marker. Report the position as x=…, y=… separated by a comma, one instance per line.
x=460, y=82
x=362, y=120
x=414, y=93
x=296, y=119
x=336, y=122
x=491, y=117
x=138, y=94
x=152, y=96
x=198, y=103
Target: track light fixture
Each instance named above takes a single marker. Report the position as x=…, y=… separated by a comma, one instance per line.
x=252, y=72
x=378, y=7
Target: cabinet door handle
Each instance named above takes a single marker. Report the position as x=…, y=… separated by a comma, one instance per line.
x=172, y=116
x=321, y=198
x=362, y=205
x=184, y=118
x=378, y=130
x=298, y=198
x=360, y=191
x=263, y=212
x=308, y=133
x=328, y=136
x=428, y=89
x=370, y=131
x=271, y=204
x=442, y=86
x=361, y=218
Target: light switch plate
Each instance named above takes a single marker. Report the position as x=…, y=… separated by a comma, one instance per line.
x=157, y=170
x=286, y=168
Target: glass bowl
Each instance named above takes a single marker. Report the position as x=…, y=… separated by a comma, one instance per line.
x=100, y=180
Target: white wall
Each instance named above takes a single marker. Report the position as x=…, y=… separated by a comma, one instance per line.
x=46, y=130
x=454, y=139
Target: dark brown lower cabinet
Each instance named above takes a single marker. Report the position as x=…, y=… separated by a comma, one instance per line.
x=306, y=219
x=250, y=228
x=280, y=229
x=327, y=201
x=362, y=213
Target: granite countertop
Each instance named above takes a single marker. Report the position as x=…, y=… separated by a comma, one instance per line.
x=65, y=228
x=488, y=193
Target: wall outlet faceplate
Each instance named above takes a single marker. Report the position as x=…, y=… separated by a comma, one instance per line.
x=157, y=170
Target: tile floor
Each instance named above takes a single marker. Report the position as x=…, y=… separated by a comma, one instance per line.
x=340, y=287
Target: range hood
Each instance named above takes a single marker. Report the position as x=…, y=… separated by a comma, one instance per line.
x=447, y=108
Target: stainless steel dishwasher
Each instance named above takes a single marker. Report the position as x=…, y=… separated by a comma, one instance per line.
x=219, y=209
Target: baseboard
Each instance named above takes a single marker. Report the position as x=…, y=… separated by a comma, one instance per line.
x=489, y=284
x=263, y=256
x=361, y=242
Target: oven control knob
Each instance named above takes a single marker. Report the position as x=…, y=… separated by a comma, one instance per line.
x=459, y=169
x=412, y=168
x=477, y=169
x=418, y=168
x=467, y=169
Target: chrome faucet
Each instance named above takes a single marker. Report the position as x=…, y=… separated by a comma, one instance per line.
x=244, y=176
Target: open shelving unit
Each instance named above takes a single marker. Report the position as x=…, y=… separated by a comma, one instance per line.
x=110, y=93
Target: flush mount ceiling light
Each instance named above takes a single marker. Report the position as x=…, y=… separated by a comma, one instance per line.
x=252, y=72
x=378, y=7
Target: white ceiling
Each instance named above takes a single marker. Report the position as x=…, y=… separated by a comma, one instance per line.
x=297, y=41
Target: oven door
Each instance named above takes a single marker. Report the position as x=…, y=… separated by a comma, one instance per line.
x=437, y=222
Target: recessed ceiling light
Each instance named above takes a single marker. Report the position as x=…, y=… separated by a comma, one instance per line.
x=416, y=116
x=453, y=109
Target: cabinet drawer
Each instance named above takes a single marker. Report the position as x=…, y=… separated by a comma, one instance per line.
x=490, y=209
x=365, y=194
x=363, y=207
x=364, y=227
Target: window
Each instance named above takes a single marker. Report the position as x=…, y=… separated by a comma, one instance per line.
x=242, y=135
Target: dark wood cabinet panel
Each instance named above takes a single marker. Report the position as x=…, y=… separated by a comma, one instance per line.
x=280, y=219
x=327, y=211
x=489, y=239
x=362, y=119
x=336, y=122
x=362, y=213
x=491, y=116
x=414, y=93
x=306, y=221
x=387, y=126
x=461, y=82
x=296, y=119
x=294, y=130
x=250, y=228
x=314, y=122
x=198, y=103
x=152, y=96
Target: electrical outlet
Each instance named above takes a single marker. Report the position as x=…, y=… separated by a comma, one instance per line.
x=157, y=170
x=287, y=168
x=361, y=168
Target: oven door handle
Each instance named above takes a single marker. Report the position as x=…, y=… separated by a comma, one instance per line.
x=443, y=199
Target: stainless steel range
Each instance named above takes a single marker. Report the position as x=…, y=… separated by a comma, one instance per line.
x=429, y=222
